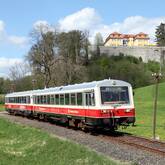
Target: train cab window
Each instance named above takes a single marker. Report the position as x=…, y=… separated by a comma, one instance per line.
x=90, y=99
x=73, y=98
x=52, y=100
x=67, y=100
x=57, y=99
x=62, y=99
x=79, y=98
x=114, y=95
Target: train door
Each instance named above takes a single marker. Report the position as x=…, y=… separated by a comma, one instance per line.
x=89, y=101
x=86, y=105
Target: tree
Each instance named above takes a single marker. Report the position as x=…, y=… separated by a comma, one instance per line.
x=42, y=55
x=73, y=52
x=160, y=35
x=20, y=77
x=74, y=45
x=98, y=41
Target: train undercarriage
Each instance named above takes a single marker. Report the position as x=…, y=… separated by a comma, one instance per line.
x=84, y=123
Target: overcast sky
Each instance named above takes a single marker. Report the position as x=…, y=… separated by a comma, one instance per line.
x=19, y=17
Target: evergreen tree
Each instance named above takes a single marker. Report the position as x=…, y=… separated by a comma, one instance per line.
x=160, y=35
x=98, y=41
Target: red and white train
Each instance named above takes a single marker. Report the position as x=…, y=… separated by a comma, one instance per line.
x=98, y=104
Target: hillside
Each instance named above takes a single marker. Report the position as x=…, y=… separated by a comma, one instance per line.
x=144, y=101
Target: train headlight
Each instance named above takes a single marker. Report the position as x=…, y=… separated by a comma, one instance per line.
x=128, y=110
x=104, y=111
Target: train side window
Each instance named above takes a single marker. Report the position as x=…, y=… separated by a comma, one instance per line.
x=16, y=99
x=73, y=99
x=52, y=99
x=48, y=99
x=67, y=99
x=21, y=100
x=38, y=100
x=24, y=99
x=41, y=99
x=45, y=99
x=79, y=98
x=62, y=100
x=57, y=99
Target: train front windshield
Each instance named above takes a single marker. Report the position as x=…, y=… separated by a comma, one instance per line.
x=114, y=95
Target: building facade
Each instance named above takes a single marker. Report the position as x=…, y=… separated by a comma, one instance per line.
x=118, y=39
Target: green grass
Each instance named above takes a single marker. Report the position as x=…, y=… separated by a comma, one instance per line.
x=144, y=101
x=2, y=108
x=20, y=145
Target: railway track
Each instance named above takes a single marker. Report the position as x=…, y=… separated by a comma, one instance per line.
x=142, y=143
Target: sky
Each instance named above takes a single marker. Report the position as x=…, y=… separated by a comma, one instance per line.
x=19, y=17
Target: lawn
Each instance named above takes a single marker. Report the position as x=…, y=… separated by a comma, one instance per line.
x=144, y=101
x=20, y=145
x=2, y=108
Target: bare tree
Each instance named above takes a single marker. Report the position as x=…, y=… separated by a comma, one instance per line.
x=19, y=70
x=20, y=77
x=42, y=55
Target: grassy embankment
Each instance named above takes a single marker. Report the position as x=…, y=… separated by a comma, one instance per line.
x=2, y=108
x=144, y=101
x=25, y=145
x=1, y=102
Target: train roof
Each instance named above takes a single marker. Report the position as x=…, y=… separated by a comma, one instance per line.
x=69, y=88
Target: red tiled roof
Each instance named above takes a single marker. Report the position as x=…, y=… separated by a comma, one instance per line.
x=116, y=35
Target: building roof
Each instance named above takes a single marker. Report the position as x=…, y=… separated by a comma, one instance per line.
x=116, y=35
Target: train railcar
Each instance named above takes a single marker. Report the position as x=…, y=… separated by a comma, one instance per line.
x=98, y=104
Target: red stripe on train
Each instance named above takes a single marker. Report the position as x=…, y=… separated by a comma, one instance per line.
x=95, y=113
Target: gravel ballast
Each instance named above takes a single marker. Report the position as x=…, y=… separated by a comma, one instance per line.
x=114, y=150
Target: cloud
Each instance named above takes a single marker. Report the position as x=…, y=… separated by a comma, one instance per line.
x=133, y=25
x=11, y=39
x=89, y=19
x=6, y=63
x=2, y=26
x=84, y=19
x=18, y=40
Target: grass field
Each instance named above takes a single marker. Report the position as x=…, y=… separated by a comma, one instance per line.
x=2, y=108
x=20, y=145
x=144, y=101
